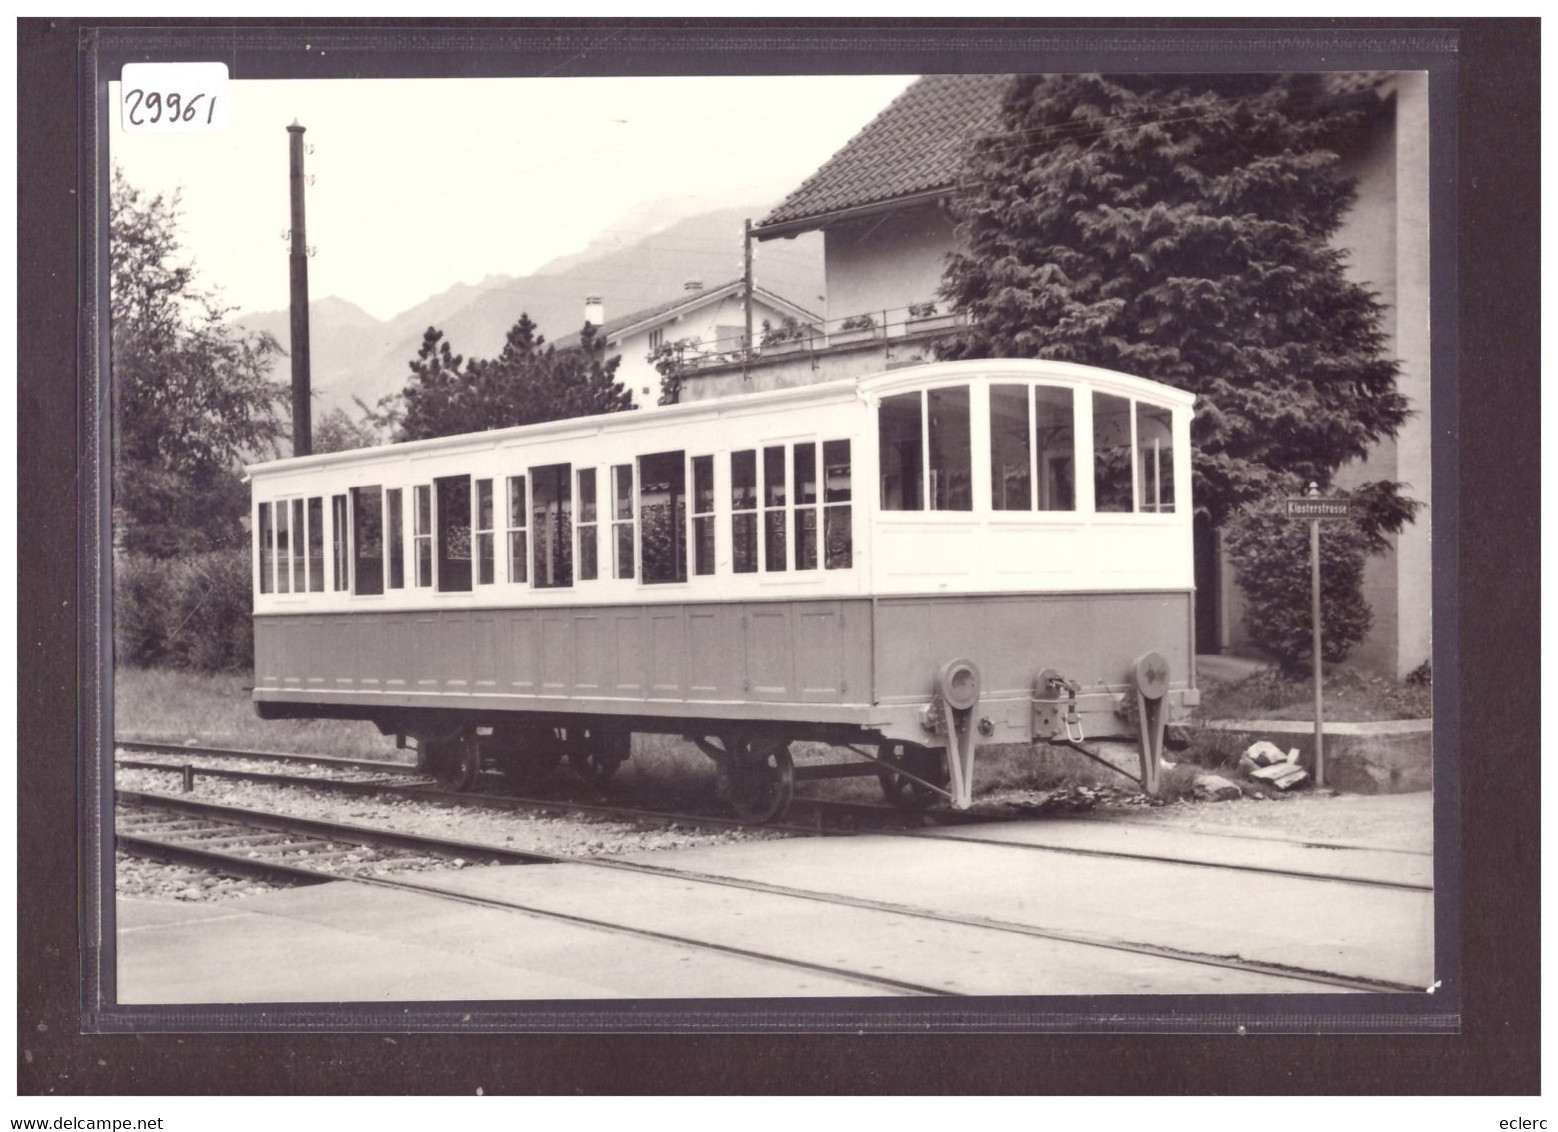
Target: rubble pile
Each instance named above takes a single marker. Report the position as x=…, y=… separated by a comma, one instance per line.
x=1266, y=762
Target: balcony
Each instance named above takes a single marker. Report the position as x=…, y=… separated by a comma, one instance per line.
x=899, y=335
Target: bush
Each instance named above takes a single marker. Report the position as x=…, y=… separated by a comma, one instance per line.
x=790, y=330
x=140, y=609
x=1350, y=694
x=192, y=612
x=1270, y=553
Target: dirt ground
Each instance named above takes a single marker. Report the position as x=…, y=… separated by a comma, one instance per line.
x=1388, y=821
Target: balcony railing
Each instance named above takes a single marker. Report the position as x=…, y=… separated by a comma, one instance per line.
x=891, y=324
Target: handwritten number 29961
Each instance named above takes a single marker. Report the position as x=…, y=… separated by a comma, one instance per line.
x=156, y=104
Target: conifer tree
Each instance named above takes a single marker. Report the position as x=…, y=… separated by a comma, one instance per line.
x=1179, y=227
x=528, y=382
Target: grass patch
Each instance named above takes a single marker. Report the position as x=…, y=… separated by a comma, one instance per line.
x=171, y=706
x=1177, y=783
x=1350, y=696
x=1217, y=751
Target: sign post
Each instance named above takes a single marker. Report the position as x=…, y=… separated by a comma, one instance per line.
x=1312, y=507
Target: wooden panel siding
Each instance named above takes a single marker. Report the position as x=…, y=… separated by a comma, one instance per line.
x=520, y=635
x=820, y=639
x=770, y=660
x=398, y=636
x=556, y=652
x=791, y=652
x=456, y=647
x=1091, y=638
x=709, y=660
x=486, y=625
x=668, y=652
x=631, y=658
x=425, y=669
x=589, y=675
x=345, y=661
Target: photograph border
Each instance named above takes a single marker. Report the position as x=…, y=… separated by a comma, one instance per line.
x=582, y=49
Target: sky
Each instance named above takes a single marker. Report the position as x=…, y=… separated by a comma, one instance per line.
x=422, y=184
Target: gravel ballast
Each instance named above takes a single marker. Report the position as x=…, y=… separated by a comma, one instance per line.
x=557, y=835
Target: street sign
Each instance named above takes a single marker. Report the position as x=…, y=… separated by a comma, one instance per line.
x=1315, y=508
x=1302, y=508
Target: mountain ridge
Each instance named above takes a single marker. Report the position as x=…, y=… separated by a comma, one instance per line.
x=357, y=356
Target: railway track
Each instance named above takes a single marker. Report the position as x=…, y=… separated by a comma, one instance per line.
x=277, y=846
x=1405, y=884
x=183, y=830
x=288, y=849
x=809, y=816
x=828, y=817
x=404, y=781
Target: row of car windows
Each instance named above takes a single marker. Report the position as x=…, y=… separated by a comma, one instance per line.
x=789, y=504
x=555, y=525
x=926, y=459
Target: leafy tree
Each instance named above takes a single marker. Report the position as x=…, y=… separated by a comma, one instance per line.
x=528, y=382
x=384, y=417
x=672, y=361
x=187, y=612
x=337, y=432
x=1178, y=227
x=191, y=397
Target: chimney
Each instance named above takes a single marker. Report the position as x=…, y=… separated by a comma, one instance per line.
x=594, y=311
x=693, y=285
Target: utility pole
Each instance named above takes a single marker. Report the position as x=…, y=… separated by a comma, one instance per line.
x=746, y=277
x=302, y=422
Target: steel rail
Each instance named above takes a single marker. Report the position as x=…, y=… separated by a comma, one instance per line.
x=218, y=861
x=261, y=868
x=1299, y=974
x=150, y=747
x=450, y=797
x=1248, y=835
x=277, y=778
x=334, y=830
x=864, y=810
x=867, y=811
x=818, y=806
x=1158, y=858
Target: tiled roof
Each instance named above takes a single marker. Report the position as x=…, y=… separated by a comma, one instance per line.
x=614, y=326
x=913, y=146
x=916, y=145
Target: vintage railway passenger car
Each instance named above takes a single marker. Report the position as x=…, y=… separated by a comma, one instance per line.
x=907, y=565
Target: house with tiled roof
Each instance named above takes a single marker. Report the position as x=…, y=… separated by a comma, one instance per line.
x=710, y=322
x=881, y=206
x=881, y=201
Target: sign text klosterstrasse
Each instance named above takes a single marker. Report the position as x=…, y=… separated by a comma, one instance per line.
x=1301, y=508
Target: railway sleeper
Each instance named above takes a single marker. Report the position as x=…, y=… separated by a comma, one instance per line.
x=164, y=826
x=247, y=839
